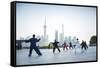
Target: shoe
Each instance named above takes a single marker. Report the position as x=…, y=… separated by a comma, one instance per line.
x=40, y=55
x=29, y=55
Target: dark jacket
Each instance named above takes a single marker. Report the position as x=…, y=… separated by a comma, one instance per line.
x=33, y=41
x=55, y=44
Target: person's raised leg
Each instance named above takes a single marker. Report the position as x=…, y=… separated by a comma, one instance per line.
x=37, y=51
x=58, y=49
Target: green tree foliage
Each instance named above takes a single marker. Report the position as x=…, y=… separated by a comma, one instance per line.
x=93, y=40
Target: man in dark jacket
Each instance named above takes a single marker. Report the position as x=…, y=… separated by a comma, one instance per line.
x=71, y=47
x=55, y=44
x=84, y=45
x=33, y=45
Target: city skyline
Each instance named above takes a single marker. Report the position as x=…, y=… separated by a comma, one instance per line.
x=32, y=17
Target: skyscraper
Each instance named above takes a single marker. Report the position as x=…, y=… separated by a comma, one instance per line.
x=62, y=34
x=45, y=37
x=56, y=35
x=45, y=28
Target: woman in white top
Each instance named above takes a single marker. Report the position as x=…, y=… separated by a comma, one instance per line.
x=77, y=47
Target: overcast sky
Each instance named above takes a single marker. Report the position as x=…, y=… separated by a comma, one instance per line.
x=77, y=21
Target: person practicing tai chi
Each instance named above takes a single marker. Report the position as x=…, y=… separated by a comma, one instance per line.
x=55, y=44
x=84, y=45
x=33, y=45
x=71, y=47
x=77, y=47
x=65, y=46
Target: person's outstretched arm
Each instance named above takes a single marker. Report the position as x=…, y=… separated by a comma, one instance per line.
x=38, y=40
x=57, y=42
x=27, y=41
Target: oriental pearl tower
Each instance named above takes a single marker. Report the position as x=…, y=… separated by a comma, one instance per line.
x=45, y=42
x=45, y=29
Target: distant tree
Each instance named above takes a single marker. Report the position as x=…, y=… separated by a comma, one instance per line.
x=93, y=40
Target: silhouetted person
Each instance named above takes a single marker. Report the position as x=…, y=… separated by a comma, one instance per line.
x=84, y=45
x=65, y=46
x=33, y=45
x=55, y=44
x=71, y=47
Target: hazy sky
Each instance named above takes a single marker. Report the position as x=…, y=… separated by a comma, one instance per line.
x=77, y=21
